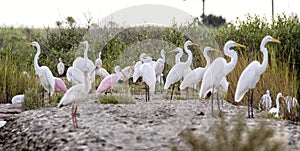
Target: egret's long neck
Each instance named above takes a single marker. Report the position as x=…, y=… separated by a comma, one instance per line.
x=86, y=50
x=163, y=55
x=190, y=55
x=264, y=63
x=100, y=55
x=36, y=57
x=207, y=59
x=234, y=58
x=277, y=102
x=178, y=56
x=87, y=83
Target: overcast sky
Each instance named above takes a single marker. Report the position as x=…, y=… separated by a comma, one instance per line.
x=40, y=13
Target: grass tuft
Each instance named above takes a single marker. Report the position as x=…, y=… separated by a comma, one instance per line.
x=234, y=135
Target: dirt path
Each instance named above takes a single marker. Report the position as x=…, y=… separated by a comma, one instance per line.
x=154, y=125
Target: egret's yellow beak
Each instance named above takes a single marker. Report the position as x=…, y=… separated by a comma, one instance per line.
x=29, y=43
x=145, y=57
x=276, y=40
x=240, y=45
x=195, y=44
x=174, y=50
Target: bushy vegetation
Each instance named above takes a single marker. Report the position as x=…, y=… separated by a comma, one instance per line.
x=234, y=135
x=116, y=99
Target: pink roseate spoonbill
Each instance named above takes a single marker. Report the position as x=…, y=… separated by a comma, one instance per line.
x=195, y=76
x=98, y=61
x=76, y=94
x=60, y=67
x=146, y=71
x=178, y=70
x=217, y=71
x=60, y=85
x=45, y=75
x=17, y=99
x=275, y=110
x=251, y=75
x=109, y=81
x=79, y=62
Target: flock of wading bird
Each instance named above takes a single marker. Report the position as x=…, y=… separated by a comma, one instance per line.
x=213, y=75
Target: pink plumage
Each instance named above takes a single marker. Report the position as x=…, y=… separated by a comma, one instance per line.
x=60, y=85
x=109, y=81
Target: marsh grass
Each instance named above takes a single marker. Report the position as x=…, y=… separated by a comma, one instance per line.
x=116, y=99
x=233, y=134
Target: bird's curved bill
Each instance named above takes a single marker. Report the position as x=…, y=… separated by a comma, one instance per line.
x=276, y=40
x=240, y=45
x=29, y=43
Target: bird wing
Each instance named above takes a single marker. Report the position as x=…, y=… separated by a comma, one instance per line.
x=47, y=80
x=136, y=73
x=174, y=75
x=192, y=78
x=212, y=76
x=148, y=75
x=108, y=82
x=247, y=80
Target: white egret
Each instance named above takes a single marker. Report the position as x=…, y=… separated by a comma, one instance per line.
x=60, y=67
x=98, y=61
x=177, y=71
x=75, y=94
x=159, y=66
x=79, y=62
x=44, y=73
x=146, y=71
x=291, y=102
x=251, y=75
x=276, y=110
x=195, y=76
x=267, y=100
x=218, y=70
x=17, y=99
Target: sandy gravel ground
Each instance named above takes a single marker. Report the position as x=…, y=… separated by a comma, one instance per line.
x=153, y=125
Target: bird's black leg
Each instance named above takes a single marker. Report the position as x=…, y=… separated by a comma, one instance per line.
x=187, y=93
x=160, y=77
x=148, y=89
x=43, y=95
x=172, y=91
x=146, y=92
x=212, y=102
x=252, y=103
x=218, y=101
x=249, y=103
